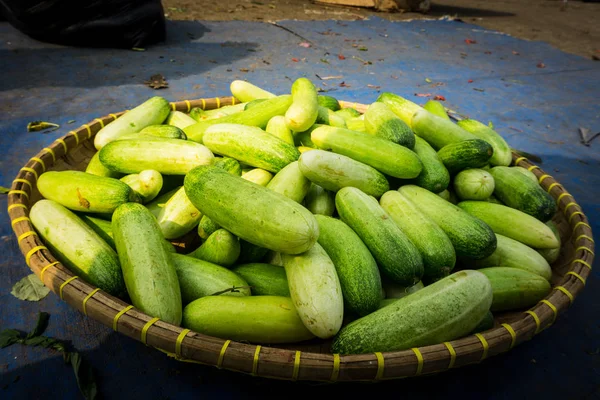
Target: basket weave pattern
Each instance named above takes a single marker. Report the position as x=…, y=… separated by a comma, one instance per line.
x=313, y=362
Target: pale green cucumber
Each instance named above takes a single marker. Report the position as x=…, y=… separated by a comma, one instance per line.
x=438, y=131
x=179, y=119
x=551, y=255
x=382, y=122
x=207, y=227
x=527, y=173
x=246, y=91
x=320, y=201
x=348, y=113
x=436, y=108
x=403, y=108
x=221, y=248
x=328, y=102
x=502, y=152
x=101, y=226
x=278, y=128
x=290, y=182
x=258, y=176
x=326, y=116
x=178, y=216
x=515, y=289
x=230, y=165
x=156, y=205
x=434, y=176
x=473, y=184
x=147, y=184
x=165, y=131
x=199, y=114
x=315, y=290
x=95, y=167
x=265, y=279
x=356, y=124
x=303, y=111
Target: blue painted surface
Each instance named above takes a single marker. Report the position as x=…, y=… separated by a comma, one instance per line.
x=538, y=110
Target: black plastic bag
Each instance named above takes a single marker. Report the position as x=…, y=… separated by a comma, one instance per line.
x=89, y=23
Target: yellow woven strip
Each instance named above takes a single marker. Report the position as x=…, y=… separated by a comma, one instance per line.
x=576, y=275
x=45, y=268
x=26, y=234
x=536, y=319
x=65, y=283
x=32, y=252
x=218, y=102
x=296, y=365
x=19, y=219
x=552, y=186
x=173, y=107
x=189, y=106
x=29, y=169
x=23, y=181
x=380, y=365
x=576, y=250
x=61, y=141
x=233, y=101
x=485, y=345
x=543, y=177
x=581, y=223
x=586, y=237
x=49, y=150
x=113, y=115
x=513, y=335
x=452, y=354
x=146, y=327
x=39, y=160
x=419, y=359
x=89, y=296
x=563, y=195
x=255, y=360
x=533, y=167
x=100, y=121
x=24, y=193
x=222, y=354
x=76, y=137
x=518, y=160
x=179, y=341
x=89, y=131
x=569, y=205
x=203, y=104
x=579, y=260
x=25, y=207
x=566, y=292
x=336, y=368
x=574, y=214
x=552, y=307
x=116, y=318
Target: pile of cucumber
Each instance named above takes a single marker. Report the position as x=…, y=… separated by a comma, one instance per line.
x=381, y=231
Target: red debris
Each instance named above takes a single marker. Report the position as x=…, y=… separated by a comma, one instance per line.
x=516, y=53
x=470, y=81
x=541, y=65
x=470, y=41
x=439, y=97
x=423, y=94
x=295, y=59
x=341, y=57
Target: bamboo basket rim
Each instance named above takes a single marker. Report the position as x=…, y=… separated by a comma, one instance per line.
x=279, y=363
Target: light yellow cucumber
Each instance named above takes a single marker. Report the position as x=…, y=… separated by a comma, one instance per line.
x=304, y=109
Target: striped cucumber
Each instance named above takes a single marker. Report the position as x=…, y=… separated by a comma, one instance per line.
x=465, y=154
x=229, y=164
x=328, y=102
x=278, y=128
x=474, y=184
x=438, y=131
x=348, y=113
x=198, y=114
x=265, y=279
x=527, y=173
x=381, y=121
x=403, y=108
x=178, y=216
x=502, y=152
x=515, y=289
x=327, y=117
x=164, y=131
x=156, y=205
x=356, y=124
x=207, y=227
x=290, y=182
x=320, y=201
x=434, y=176
x=147, y=184
x=95, y=167
x=303, y=111
x=221, y=248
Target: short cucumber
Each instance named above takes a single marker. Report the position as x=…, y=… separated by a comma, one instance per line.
x=255, y=319
x=147, y=184
x=445, y=310
x=518, y=191
x=80, y=191
x=381, y=121
x=327, y=117
x=95, y=167
x=290, y=182
x=199, y=114
x=221, y=248
x=167, y=156
x=512, y=223
x=348, y=113
x=315, y=290
x=334, y=171
x=250, y=145
x=102, y=227
x=328, y=102
x=303, y=111
x=207, y=227
x=278, y=128
x=216, y=193
x=438, y=131
x=165, y=131
x=320, y=201
x=265, y=279
x=151, y=112
x=396, y=255
x=434, y=176
x=471, y=237
x=551, y=255
x=381, y=154
x=436, y=108
x=356, y=268
x=465, y=154
x=258, y=176
x=198, y=278
x=246, y=91
x=356, y=124
x=432, y=242
x=78, y=246
x=148, y=269
x=156, y=205
x=474, y=184
x=179, y=119
x=403, y=108
x=515, y=289
x=502, y=152
x=229, y=164
x=514, y=254
x=178, y=216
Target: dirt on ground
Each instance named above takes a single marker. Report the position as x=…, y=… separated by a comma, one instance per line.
x=571, y=26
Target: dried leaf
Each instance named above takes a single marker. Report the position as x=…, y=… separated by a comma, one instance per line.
x=157, y=81
x=343, y=84
x=541, y=65
x=428, y=80
x=515, y=129
x=70, y=121
x=324, y=61
x=8, y=337
x=36, y=126
x=84, y=374
x=470, y=41
x=516, y=53
x=244, y=70
x=423, y=94
x=374, y=87
x=439, y=97
x=4, y=190
x=479, y=90
x=393, y=77
x=362, y=48
x=326, y=78
x=487, y=52
x=138, y=49
x=30, y=288
x=341, y=57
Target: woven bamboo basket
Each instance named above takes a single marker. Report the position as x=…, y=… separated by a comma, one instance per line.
x=307, y=361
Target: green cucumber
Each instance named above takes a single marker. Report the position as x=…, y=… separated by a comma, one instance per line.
x=327, y=117
x=251, y=253
x=278, y=128
x=348, y=113
x=199, y=114
x=356, y=124
x=334, y=171
x=199, y=278
x=151, y=112
x=493, y=199
x=258, y=116
x=515, y=289
x=178, y=216
x=502, y=152
x=250, y=145
x=466, y=154
x=303, y=111
x=438, y=131
x=514, y=254
x=207, y=227
x=381, y=121
x=328, y=102
x=78, y=246
x=147, y=184
x=381, y=154
x=290, y=182
x=253, y=103
x=527, y=173
x=471, y=237
x=165, y=131
x=403, y=108
x=445, y=310
x=444, y=194
x=258, y=176
x=246, y=91
x=265, y=279
x=148, y=269
x=517, y=191
x=487, y=322
x=179, y=119
x=436, y=108
x=102, y=227
x=396, y=255
x=167, y=156
x=156, y=205
x=80, y=191
x=241, y=206
x=434, y=245
x=95, y=167
x=512, y=223
x=434, y=176
x=315, y=290
x=474, y=184
x=230, y=165
x=355, y=266
x=255, y=319
x=221, y=248
x=320, y=201
x=551, y=255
